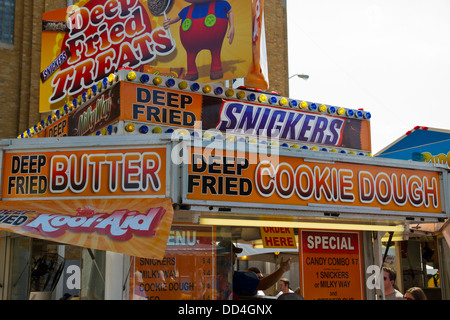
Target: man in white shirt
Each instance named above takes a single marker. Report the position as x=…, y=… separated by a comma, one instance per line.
x=284, y=287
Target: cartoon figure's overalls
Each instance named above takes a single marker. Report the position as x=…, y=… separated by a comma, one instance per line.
x=203, y=34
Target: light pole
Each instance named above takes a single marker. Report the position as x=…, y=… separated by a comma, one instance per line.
x=301, y=76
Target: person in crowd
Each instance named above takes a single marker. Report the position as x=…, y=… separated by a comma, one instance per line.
x=247, y=283
x=284, y=287
x=390, y=292
x=260, y=276
x=415, y=293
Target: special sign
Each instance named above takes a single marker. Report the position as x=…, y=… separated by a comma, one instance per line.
x=85, y=173
x=238, y=177
x=331, y=266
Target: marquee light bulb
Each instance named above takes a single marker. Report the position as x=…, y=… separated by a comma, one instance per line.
x=283, y=102
x=144, y=78
x=229, y=92
x=207, y=89
x=170, y=82
x=240, y=95
x=131, y=76
x=183, y=85
x=157, y=81
x=129, y=127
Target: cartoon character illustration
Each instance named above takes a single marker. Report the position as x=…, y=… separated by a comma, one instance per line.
x=203, y=26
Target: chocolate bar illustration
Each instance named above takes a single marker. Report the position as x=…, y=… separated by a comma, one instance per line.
x=58, y=62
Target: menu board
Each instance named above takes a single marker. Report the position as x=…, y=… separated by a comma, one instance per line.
x=331, y=266
x=185, y=273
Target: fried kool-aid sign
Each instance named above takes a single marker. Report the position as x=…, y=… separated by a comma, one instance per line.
x=280, y=181
x=83, y=44
x=131, y=226
x=88, y=173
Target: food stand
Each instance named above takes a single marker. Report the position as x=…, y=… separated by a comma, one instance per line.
x=144, y=167
x=147, y=172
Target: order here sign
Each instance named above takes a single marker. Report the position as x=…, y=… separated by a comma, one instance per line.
x=273, y=237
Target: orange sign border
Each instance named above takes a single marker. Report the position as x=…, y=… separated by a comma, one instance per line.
x=273, y=180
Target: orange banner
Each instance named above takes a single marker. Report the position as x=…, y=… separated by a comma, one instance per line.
x=331, y=265
x=137, y=227
x=85, y=173
x=254, y=179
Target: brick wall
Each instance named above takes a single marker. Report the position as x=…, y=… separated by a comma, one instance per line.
x=19, y=79
x=275, y=18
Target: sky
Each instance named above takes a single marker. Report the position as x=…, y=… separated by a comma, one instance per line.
x=389, y=57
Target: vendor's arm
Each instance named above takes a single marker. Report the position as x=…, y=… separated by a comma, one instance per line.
x=268, y=281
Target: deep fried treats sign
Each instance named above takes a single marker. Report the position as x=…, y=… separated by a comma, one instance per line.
x=130, y=226
x=84, y=43
x=331, y=266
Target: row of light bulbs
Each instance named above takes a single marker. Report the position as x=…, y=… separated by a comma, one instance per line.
x=86, y=97
x=241, y=94
x=139, y=128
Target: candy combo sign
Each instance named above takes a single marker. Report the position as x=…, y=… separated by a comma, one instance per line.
x=331, y=265
x=254, y=179
x=84, y=43
x=130, y=226
x=85, y=173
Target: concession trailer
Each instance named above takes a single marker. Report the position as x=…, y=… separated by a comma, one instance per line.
x=127, y=191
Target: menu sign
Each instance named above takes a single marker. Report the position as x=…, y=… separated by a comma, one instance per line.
x=185, y=272
x=331, y=265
